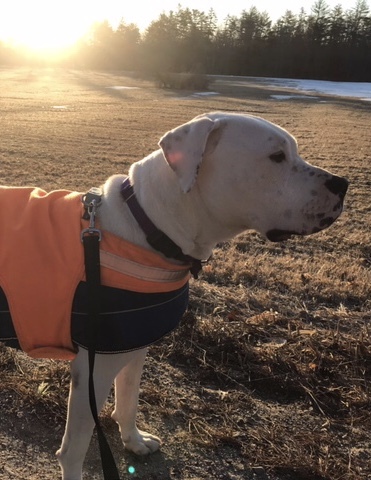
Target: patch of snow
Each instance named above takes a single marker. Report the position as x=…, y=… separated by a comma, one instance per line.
x=122, y=87
x=361, y=90
x=290, y=97
x=204, y=94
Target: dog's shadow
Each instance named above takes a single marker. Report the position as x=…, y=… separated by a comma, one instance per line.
x=26, y=436
x=154, y=466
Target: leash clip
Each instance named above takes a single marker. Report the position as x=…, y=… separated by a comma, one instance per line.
x=91, y=202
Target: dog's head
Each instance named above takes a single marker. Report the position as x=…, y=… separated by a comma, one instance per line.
x=250, y=176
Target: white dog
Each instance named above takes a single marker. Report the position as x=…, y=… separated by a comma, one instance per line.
x=213, y=178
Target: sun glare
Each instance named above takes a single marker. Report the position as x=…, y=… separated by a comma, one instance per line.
x=48, y=27
x=42, y=25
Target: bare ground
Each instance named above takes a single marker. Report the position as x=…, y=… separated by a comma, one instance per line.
x=269, y=375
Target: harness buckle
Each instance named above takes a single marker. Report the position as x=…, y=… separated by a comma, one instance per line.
x=91, y=202
x=94, y=194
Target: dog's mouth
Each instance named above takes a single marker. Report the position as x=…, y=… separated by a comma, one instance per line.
x=277, y=235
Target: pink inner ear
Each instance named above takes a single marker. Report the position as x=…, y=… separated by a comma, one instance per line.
x=175, y=159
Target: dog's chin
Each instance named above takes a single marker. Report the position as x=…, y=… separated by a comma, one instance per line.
x=276, y=235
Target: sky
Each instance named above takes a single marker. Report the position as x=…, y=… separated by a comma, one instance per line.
x=48, y=24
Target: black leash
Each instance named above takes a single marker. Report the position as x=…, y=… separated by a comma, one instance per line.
x=91, y=237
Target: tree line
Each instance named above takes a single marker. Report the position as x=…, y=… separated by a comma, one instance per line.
x=327, y=43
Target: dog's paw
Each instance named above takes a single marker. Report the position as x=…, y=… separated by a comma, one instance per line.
x=141, y=443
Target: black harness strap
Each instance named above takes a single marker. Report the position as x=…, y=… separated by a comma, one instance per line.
x=91, y=238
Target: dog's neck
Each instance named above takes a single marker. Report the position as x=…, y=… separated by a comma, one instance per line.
x=171, y=210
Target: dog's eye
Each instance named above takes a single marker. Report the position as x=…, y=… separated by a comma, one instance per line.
x=278, y=157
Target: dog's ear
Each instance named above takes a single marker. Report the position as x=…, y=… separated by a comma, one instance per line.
x=184, y=147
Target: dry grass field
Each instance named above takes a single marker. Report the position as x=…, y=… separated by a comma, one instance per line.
x=269, y=375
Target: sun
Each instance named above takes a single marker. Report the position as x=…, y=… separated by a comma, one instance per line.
x=44, y=26
x=50, y=27
x=44, y=37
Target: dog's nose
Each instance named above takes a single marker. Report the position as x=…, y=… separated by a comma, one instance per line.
x=337, y=185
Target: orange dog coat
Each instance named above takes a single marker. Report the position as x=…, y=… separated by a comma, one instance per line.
x=42, y=263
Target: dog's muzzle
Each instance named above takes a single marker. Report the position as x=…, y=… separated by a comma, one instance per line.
x=336, y=185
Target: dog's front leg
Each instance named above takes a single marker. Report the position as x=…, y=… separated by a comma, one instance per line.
x=80, y=423
x=126, y=404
